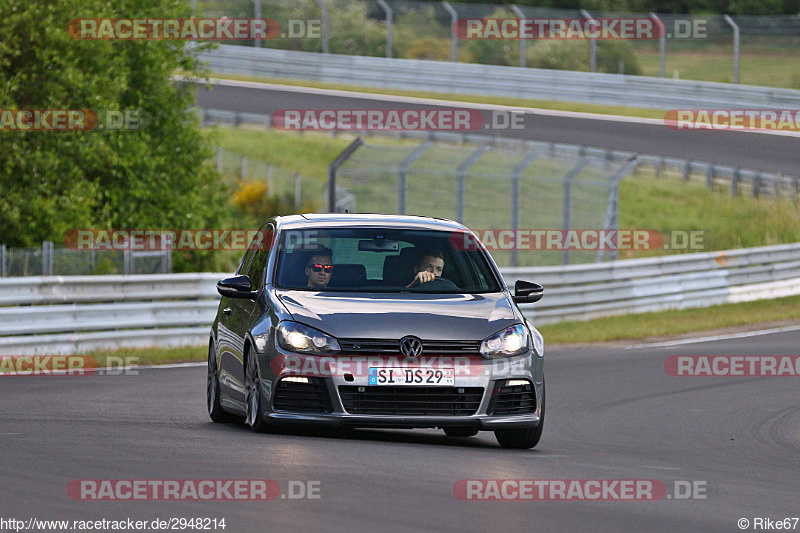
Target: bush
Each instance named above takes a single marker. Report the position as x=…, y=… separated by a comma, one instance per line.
x=576, y=55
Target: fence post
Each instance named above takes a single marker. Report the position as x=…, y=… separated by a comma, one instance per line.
x=568, y=178
x=219, y=159
x=735, y=27
x=402, y=172
x=388, y=10
x=611, y=221
x=516, y=175
x=334, y=166
x=257, y=13
x=47, y=258
x=92, y=260
x=2, y=260
x=662, y=43
x=593, y=41
x=461, y=179
x=324, y=10
x=297, y=191
x=454, y=38
x=520, y=15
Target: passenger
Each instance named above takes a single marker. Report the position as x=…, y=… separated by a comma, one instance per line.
x=319, y=269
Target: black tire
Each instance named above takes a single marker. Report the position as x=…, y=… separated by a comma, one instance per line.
x=252, y=385
x=522, y=438
x=215, y=410
x=460, y=431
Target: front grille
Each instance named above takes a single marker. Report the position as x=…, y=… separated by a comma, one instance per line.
x=516, y=400
x=405, y=400
x=392, y=347
x=311, y=397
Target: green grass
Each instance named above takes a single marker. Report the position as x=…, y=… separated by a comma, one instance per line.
x=671, y=323
x=150, y=356
x=766, y=69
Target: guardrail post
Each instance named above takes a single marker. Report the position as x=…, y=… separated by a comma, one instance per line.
x=778, y=178
x=687, y=167
x=593, y=41
x=662, y=43
x=756, y=185
x=735, y=182
x=257, y=16
x=710, y=176
x=461, y=179
x=219, y=159
x=516, y=174
x=297, y=191
x=388, y=11
x=735, y=27
x=334, y=166
x=659, y=164
x=324, y=10
x=2, y=260
x=47, y=258
x=520, y=15
x=402, y=172
x=566, y=207
x=454, y=38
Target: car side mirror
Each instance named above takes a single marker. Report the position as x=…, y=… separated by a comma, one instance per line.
x=526, y=292
x=237, y=287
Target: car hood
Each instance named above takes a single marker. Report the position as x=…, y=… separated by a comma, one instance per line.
x=392, y=316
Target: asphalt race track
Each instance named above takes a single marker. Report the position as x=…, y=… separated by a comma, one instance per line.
x=770, y=153
x=612, y=413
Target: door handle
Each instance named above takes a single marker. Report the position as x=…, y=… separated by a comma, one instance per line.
x=227, y=311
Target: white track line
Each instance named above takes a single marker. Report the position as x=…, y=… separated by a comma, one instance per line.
x=466, y=105
x=714, y=338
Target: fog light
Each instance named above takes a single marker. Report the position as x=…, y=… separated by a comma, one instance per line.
x=295, y=379
x=517, y=382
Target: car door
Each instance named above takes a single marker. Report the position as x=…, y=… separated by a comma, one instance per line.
x=242, y=312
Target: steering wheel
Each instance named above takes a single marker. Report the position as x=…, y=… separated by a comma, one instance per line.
x=435, y=284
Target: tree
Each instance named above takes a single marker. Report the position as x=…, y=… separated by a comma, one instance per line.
x=151, y=177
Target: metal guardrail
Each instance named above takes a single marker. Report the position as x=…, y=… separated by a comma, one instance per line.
x=101, y=312
x=492, y=80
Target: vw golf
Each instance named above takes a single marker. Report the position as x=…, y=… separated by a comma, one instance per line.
x=376, y=321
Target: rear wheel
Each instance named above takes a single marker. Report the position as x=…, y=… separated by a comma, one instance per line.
x=522, y=438
x=252, y=385
x=212, y=389
x=460, y=431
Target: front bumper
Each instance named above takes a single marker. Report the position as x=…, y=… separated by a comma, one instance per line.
x=491, y=376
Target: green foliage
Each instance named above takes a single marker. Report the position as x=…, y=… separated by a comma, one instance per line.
x=153, y=177
x=576, y=54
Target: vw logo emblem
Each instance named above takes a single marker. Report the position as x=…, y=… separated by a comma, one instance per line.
x=411, y=346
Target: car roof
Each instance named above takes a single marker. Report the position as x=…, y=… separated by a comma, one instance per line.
x=366, y=220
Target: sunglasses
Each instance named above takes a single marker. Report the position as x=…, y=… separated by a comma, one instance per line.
x=319, y=268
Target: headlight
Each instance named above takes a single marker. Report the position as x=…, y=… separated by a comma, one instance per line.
x=510, y=341
x=300, y=338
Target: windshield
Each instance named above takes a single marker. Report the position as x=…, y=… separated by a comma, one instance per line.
x=381, y=260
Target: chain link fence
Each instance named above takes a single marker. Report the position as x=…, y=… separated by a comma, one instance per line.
x=50, y=260
x=757, y=50
x=489, y=187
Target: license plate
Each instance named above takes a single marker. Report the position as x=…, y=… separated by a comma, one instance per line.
x=411, y=376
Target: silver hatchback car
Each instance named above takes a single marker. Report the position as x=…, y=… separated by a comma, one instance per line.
x=376, y=321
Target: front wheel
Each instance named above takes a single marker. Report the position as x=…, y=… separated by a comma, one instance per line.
x=252, y=384
x=522, y=438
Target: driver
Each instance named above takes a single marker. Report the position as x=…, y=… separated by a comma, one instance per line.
x=319, y=269
x=428, y=268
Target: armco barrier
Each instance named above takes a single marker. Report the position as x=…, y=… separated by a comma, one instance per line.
x=493, y=80
x=53, y=315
